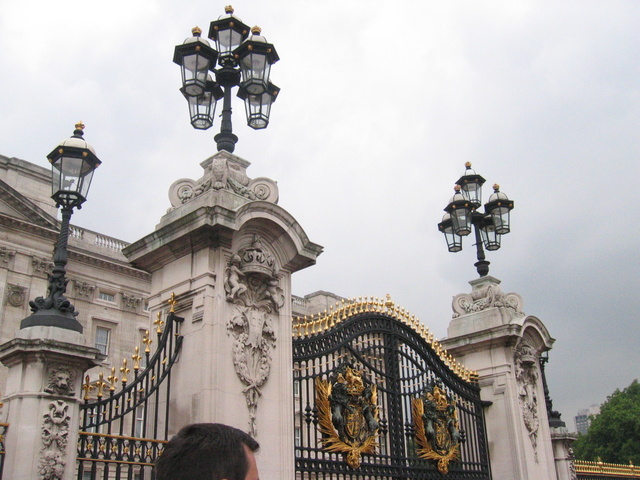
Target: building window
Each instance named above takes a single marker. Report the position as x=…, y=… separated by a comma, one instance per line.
x=102, y=340
x=297, y=436
x=108, y=297
x=139, y=421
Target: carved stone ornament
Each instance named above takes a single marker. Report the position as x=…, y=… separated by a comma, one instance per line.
x=41, y=266
x=60, y=380
x=224, y=171
x=483, y=298
x=348, y=414
x=55, y=430
x=526, y=370
x=15, y=295
x=251, y=284
x=438, y=434
x=131, y=302
x=84, y=289
x=6, y=254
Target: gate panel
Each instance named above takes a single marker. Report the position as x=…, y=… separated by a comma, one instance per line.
x=397, y=356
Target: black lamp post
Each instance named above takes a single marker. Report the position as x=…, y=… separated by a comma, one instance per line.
x=73, y=162
x=462, y=216
x=243, y=61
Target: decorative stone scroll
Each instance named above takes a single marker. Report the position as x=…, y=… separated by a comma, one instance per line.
x=55, y=430
x=526, y=370
x=131, y=302
x=84, y=289
x=483, y=298
x=15, y=295
x=224, y=172
x=252, y=285
x=6, y=254
x=41, y=266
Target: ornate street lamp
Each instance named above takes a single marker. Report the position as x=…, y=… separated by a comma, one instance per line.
x=73, y=162
x=462, y=216
x=243, y=61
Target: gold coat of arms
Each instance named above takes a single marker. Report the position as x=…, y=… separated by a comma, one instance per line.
x=348, y=414
x=437, y=429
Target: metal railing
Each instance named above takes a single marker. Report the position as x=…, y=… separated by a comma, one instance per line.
x=610, y=471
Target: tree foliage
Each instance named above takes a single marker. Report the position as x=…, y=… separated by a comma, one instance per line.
x=614, y=434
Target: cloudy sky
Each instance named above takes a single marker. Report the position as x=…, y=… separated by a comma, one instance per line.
x=382, y=103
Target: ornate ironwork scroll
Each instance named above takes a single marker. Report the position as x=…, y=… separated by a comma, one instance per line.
x=437, y=428
x=348, y=414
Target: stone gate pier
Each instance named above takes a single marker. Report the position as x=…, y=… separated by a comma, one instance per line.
x=227, y=251
x=490, y=333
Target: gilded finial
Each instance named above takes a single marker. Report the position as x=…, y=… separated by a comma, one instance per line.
x=147, y=341
x=101, y=384
x=456, y=188
x=80, y=126
x=196, y=31
x=112, y=379
x=172, y=302
x=256, y=30
x=87, y=387
x=388, y=303
x=467, y=164
x=228, y=9
x=124, y=370
x=159, y=322
x=496, y=187
x=136, y=358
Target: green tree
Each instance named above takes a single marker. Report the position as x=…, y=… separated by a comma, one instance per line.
x=614, y=434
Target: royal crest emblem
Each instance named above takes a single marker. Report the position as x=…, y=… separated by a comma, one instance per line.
x=348, y=414
x=437, y=429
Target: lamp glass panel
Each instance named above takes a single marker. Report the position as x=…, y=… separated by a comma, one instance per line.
x=490, y=237
x=201, y=110
x=454, y=242
x=258, y=108
x=255, y=72
x=461, y=219
x=228, y=40
x=473, y=192
x=195, y=69
x=501, y=218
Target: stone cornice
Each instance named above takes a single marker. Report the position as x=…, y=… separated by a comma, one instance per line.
x=110, y=265
x=27, y=208
x=52, y=235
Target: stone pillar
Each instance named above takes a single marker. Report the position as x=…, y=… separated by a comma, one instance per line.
x=41, y=403
x=489, y=333
x=227, y=251
x=562, y=440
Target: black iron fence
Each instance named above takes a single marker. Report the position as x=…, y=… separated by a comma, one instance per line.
x=125, y=417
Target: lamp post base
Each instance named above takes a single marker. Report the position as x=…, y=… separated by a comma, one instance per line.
x=52, y=318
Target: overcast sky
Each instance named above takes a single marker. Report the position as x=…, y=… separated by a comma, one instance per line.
x=381, y=105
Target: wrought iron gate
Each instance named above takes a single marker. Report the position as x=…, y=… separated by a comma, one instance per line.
x=377, y=397
x=122, y=433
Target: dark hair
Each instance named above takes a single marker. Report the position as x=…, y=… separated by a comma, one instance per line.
x=206, y=451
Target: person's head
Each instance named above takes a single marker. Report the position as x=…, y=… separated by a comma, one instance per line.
x=208, y=451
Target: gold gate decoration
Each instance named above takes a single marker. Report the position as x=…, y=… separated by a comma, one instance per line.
x=437, y=429
x=348, y=414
